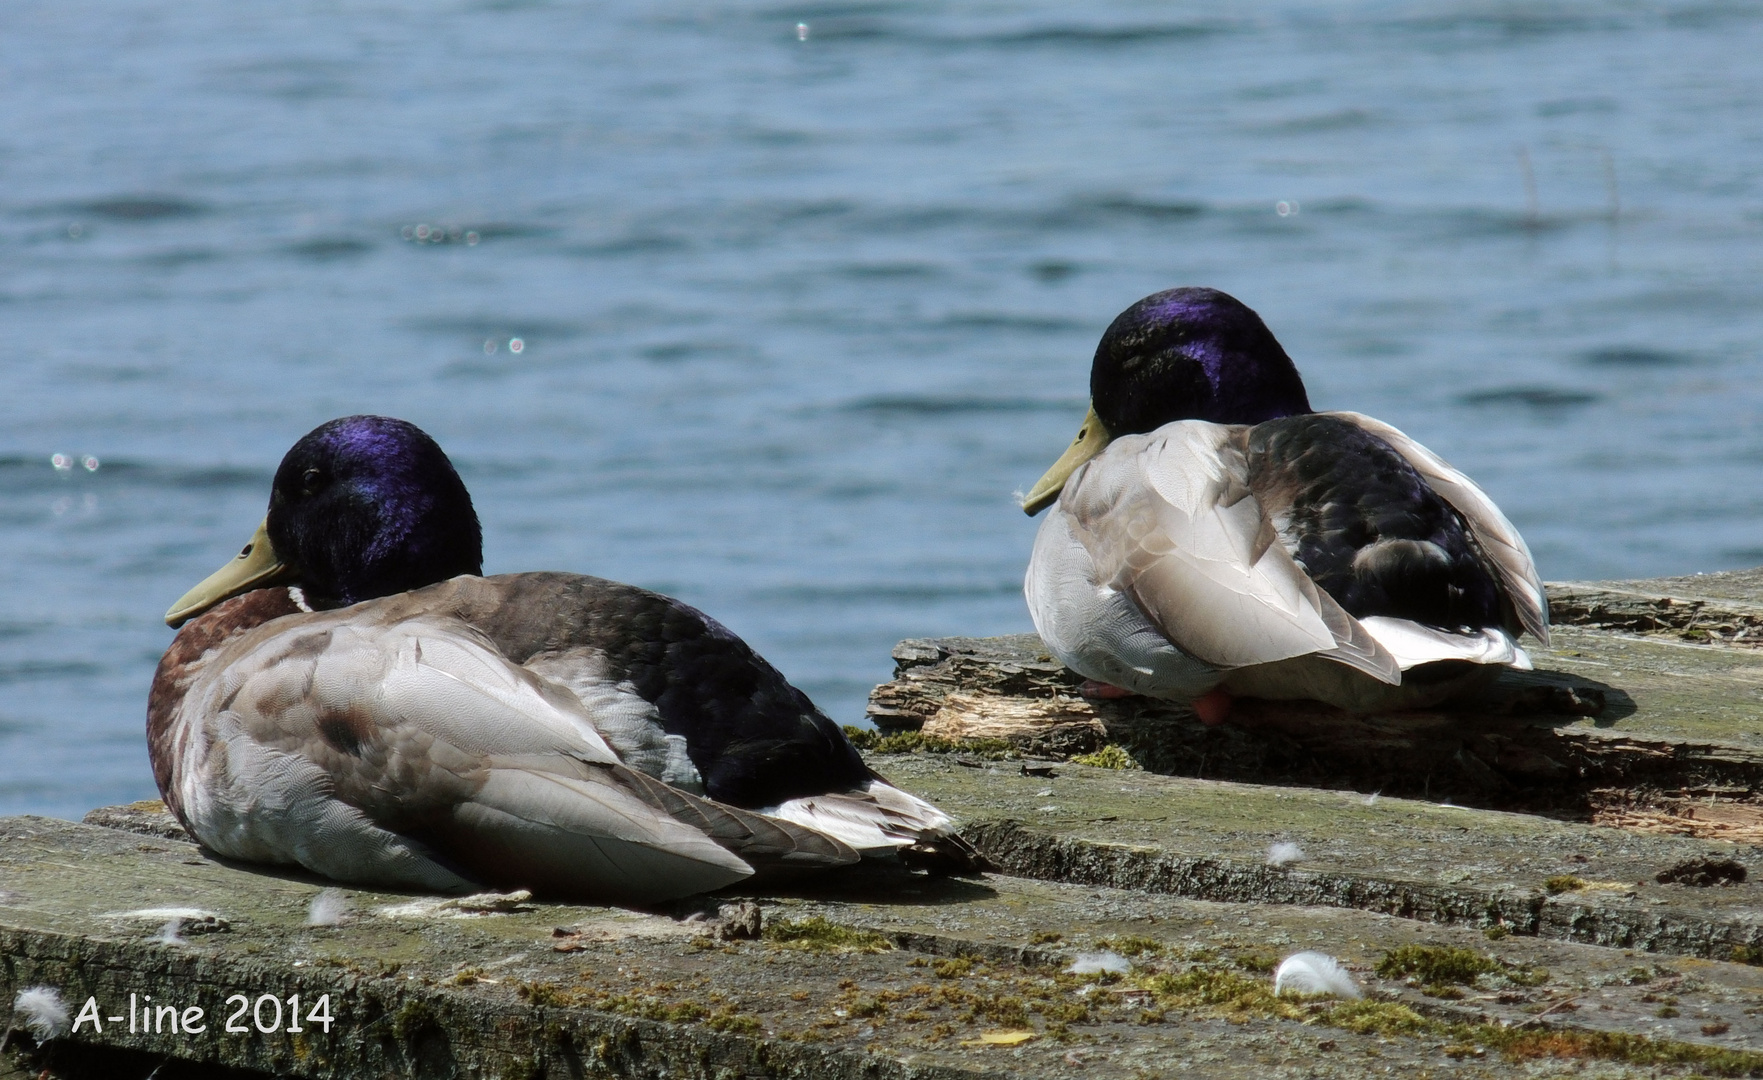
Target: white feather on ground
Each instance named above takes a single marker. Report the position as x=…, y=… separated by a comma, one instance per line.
x=1314, y=973
x=329, y=908
x=168, y=934
x=43, y=1012
x=1098, y=963
x=1284, y=852
x=190, y=913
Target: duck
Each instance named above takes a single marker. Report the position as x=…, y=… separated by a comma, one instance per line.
x=349, y=694
x=1210, y=536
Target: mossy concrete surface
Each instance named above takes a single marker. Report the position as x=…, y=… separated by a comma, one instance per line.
x=1558, y=879
x=878, y=974
x=1436, y=862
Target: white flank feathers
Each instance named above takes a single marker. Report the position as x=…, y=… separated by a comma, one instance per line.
x=43, y=1012
x=1314, y=973
x=1411, y=644
x=1284, y=852
x=879, y=818
x=329, y=908
x=1098, y=963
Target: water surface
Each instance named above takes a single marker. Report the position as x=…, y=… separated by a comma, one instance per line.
x=798, y=311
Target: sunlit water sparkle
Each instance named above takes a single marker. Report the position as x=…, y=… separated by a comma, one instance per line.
x=773, y=307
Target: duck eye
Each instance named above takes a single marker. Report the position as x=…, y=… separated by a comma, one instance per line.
x=310, y=482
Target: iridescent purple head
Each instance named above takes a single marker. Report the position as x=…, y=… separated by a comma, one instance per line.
x=369, y=506
x=1191, y=354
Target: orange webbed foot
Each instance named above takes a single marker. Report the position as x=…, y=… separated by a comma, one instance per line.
x=1213, y=707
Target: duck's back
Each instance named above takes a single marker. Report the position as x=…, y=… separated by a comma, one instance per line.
x=1368, y=528
x=675, y=692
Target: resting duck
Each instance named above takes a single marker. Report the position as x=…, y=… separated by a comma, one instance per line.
x=350, y=696
x=1212, y=537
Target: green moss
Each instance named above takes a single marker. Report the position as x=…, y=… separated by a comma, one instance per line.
x=1128, y=945
x=866, y=1007
x=1435, y=966
x=1063, y=1012
x=1045, y=937
x=1384, y=1018
x=541, y=993
x=1003, y=1009
x=1496, y=932
x=413, y=1017
x=649, y=1008
x=1747, y=954
x=953, y=968
x=523, y=1069
x=1523, y=1045
x=1109, y=757
x=1241, y=997
x=1220, y=988
x=1561, y=883
x=915, y=742
x=816, y=934
x=1432, y=964
x=727, y=1019
x=1257, y=961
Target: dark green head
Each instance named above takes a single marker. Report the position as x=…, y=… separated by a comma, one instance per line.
x=361, y=507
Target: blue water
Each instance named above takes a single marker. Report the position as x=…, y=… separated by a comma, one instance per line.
x=799, y=309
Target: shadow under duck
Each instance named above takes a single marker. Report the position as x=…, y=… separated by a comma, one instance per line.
x=1212, y=536
x=348, y=695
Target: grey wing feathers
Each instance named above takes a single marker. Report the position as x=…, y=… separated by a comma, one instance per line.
x=765, y=842
x=420, y=732
x=1496, y=535
x=1168, y=518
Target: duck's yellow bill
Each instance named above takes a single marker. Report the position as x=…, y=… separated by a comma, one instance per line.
x=253, y=568
x=1091, y=439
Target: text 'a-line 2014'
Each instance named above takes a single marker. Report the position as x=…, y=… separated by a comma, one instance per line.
x=266, y=1014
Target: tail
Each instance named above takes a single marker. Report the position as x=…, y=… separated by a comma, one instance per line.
x=880, y=819
x=765, y=842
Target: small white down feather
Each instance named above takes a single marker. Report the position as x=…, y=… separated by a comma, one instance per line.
x=1314, y=973
x=1283, y=852
x=329, y=908
x=1099, y=963
x=42, y=1012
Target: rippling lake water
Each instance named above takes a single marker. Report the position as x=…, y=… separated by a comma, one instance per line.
x=773, y=307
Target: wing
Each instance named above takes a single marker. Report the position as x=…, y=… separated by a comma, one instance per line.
x=655, y=669
x=1169, y=519
x=1497, y=537
x=417, y=730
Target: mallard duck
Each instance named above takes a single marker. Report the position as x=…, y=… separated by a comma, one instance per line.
x=1213, y=537
x=349, y=695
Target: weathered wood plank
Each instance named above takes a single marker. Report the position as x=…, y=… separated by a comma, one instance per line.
x=1721, y=606
x=1657, y=724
